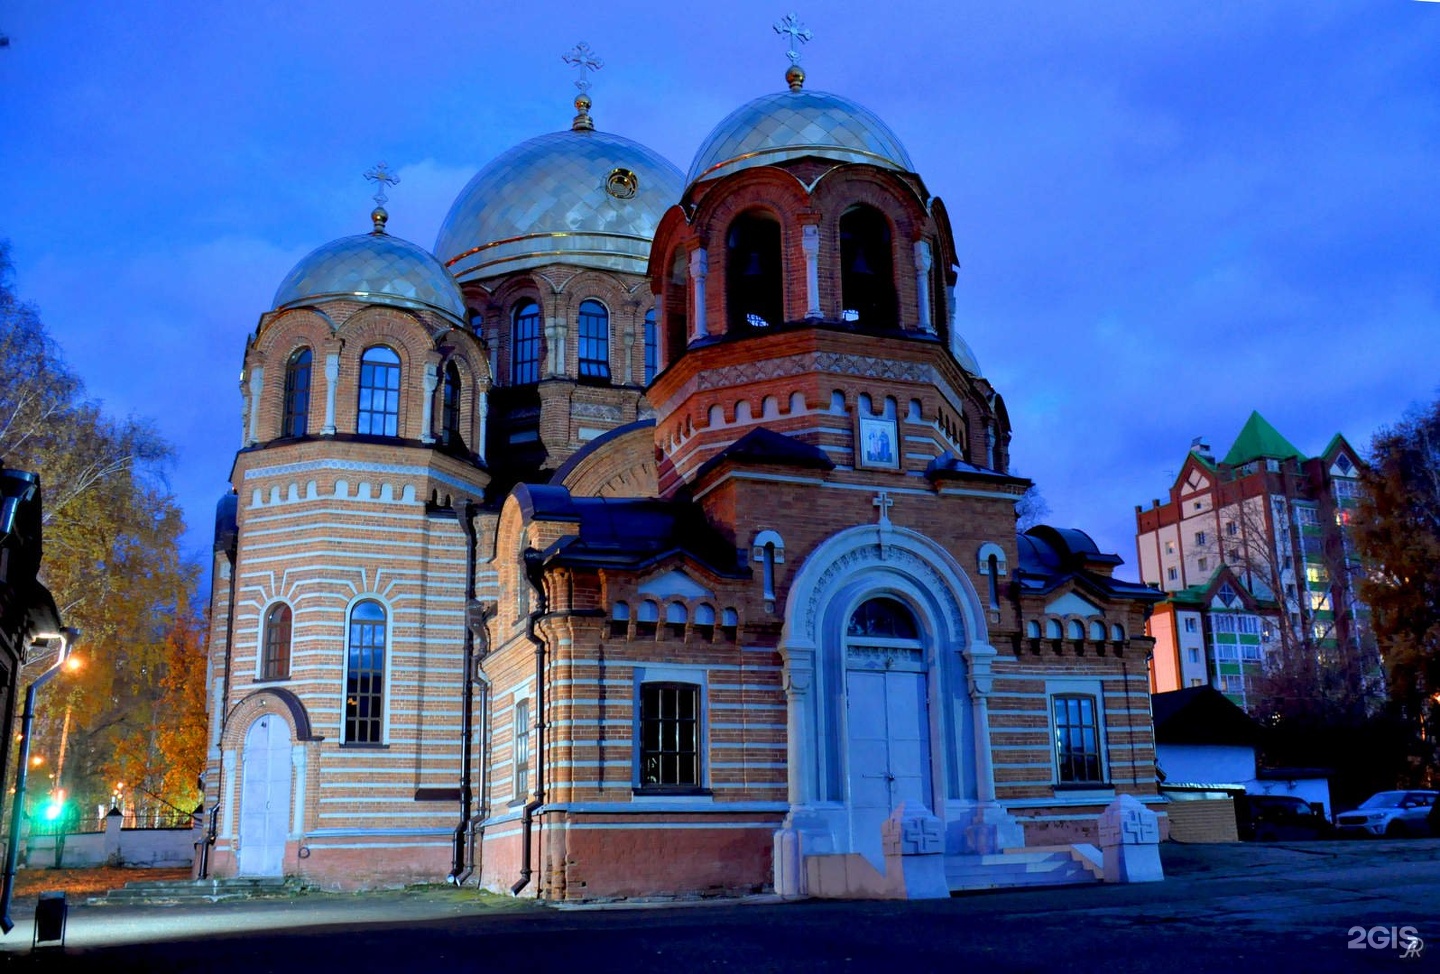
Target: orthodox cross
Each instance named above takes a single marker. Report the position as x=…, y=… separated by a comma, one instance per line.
x=381, y=176
x=883, y=502
x=585, y=60
x=790, y=24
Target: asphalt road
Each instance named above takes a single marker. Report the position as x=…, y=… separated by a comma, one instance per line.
x=1250, y=907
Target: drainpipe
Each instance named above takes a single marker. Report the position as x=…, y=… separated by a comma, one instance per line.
x=231, y=551
x=459, y=871
x=533, y=573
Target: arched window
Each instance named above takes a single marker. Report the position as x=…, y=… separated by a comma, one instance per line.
x=675, y=619
x=297, y=394
x=754, y=273
x=652, y=348
x=275, y=661
x=525, y=343
x=1097, y=632
x=379, y=413
x=594, y=340
x=450, y=407
x=884, y=618
x=365, y=674
x=867, y=269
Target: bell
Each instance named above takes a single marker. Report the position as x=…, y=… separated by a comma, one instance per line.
x=752, y=267
x=860, y=265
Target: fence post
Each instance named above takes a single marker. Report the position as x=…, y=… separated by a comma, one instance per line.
x=112, y=838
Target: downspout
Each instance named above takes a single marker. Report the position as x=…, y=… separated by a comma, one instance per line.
x=224, y=704
x=533, y=574
x=459, y=871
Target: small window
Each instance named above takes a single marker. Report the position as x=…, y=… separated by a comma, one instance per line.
x=704, y=624
x=1192, y=624
x=525, y=344
x=1077, y=739
x=1199, y=537
x=594, y=340
x=521, y=757
x=1194, y=655
x=1172, y=573
x=730, y=624
x=1117, y=633
x=1204, y=564
x=675, y=619
x=1169, y=547
x=450, y=407
x=884, y=618
x=1231, y=528
x=365, y=674
x=652, y=348
x=1097, y=632
x=1076, y=629
x=297, y=394
x=1032, y=629
x=379, y=406
x=670, y=735
x=1052, y=628
x=276, y=665
x=647, y=620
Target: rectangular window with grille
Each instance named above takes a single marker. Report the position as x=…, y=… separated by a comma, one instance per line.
x=670, y=735
x=594, y=341
x=1077, y=739
x=525, y=344
x=365, y=676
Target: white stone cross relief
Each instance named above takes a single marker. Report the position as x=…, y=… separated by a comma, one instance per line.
x=883, y=502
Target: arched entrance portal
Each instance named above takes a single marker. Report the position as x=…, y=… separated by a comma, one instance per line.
x=265, y=797
x=887, y=719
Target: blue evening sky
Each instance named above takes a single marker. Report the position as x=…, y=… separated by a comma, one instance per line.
x=1168, y=212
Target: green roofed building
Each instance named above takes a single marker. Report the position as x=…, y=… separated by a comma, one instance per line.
x=1255, y=553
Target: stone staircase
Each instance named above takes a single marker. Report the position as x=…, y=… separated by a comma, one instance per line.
x=1031, y=866
x=185, y=891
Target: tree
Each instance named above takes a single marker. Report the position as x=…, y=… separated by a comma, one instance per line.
x=111, y=557
x=1031, y=509
x=1398, y=536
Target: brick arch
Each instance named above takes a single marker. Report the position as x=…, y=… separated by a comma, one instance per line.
x=411, y=340
x=461, y=348
x=279, y=338
x=508, y=295
x=619, y=464
x=269, y=700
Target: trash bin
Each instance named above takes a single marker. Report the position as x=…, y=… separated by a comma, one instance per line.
x=50, y=915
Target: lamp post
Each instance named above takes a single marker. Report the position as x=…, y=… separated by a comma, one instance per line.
x=12, y=853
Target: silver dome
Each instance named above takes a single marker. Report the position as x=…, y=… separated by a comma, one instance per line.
x=560, y=198
x=793, y=124
x=372, y=267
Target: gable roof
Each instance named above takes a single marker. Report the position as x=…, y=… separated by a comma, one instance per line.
x=1259, y=439
x=1201, y=715
x=765, y=446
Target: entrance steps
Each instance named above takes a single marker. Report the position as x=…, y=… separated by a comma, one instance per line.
x=1031, y=866
x=166, y=892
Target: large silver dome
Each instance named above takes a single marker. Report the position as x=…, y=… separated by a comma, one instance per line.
x=793, y=124
x=376, y=268
x=575, y=197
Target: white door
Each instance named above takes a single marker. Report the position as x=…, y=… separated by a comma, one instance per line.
x=265, y=797
x=888, y=723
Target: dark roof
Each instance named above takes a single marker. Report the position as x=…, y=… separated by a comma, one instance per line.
x=765, y=446
x=626, y=532
x=1201, y=715
x=947, y=466
x=1051, y=556
x=589, y=449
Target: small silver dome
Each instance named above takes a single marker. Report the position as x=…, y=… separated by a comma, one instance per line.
x=793, y=124
x=376, y=268
x=574, y=197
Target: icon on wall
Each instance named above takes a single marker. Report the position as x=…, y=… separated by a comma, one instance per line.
x=878, y=446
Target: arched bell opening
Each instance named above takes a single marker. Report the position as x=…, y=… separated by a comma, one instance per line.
x=867, y=269
x=754, y=273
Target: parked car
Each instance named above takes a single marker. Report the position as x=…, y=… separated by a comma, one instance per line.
x=1393, y=814
x=1279, y=818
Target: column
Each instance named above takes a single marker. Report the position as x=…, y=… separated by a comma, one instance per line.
x=923, y=263
x=699, y=270
x=257, y=384
x=427, y=406
x=332, y=379
x=810, y=243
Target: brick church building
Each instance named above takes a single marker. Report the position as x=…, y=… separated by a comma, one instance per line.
x=655, y=534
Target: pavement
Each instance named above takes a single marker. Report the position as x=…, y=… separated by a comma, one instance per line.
x=1308, y=906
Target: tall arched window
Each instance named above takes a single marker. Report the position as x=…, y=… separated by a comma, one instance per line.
x=297, y=394
x=594, y=340
x=652, y=347
x=365, y=674
x=754, y=273
x=525, y=343
x=275, y=660
x=867, y=269
x=379, y=412
x=450, y=407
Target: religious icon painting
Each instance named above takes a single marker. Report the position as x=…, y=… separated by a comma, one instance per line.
x=878, y=445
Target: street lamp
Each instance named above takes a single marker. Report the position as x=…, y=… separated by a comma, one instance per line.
x=12, y=853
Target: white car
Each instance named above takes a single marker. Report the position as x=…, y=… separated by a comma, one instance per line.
x=1389, y=813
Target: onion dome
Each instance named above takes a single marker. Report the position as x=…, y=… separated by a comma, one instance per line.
x=793, y=124
x=578, y=197
x=375, y=268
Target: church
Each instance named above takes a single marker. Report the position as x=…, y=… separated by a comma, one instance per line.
x=654, y=534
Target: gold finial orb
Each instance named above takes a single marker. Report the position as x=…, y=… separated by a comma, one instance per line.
x=583, y=122
x=795, y=77
x=380, y=218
